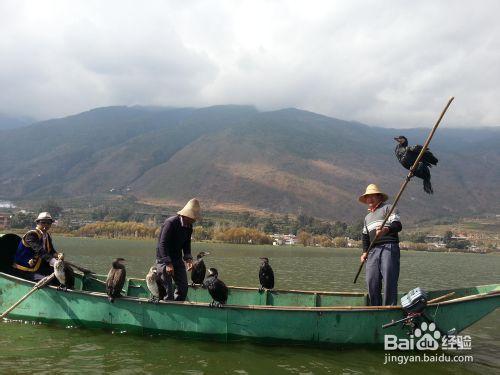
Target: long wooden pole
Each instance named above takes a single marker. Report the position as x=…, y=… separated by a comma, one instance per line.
x=405, y=182
x=79, y=268
x=38, y=285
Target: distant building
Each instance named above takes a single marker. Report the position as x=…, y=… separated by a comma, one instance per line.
x=284, y=239
x=436, y=245
x=7, y=204
x=353, y=243
x=4, y=220
x=459, y=238
x=434, y=239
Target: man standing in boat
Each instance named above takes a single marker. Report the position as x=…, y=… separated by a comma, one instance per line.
x=35, y=255
x=173, y=253
x=382, y=263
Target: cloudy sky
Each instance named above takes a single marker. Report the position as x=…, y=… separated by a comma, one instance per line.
x=387, y=63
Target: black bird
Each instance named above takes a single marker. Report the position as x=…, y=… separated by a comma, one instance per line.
x=155, y=285
x=116, y=279
x=408, y=155
x=266, y=275
x=217, y=289
x=64, y=273
x=199, y=269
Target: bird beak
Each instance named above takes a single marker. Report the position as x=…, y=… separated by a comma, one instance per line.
x=396, y=139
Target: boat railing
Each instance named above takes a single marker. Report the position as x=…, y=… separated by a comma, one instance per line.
x=136, y=287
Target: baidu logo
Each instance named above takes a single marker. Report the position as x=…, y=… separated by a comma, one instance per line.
x=427, y=337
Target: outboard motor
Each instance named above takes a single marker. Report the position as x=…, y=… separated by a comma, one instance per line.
x=413, y=304
x=415, y=301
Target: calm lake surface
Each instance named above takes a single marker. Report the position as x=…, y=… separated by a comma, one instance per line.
x=41, y=349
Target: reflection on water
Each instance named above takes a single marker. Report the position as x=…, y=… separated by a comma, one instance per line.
x=43, y=349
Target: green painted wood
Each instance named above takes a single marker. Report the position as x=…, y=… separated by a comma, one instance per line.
x=246, y=317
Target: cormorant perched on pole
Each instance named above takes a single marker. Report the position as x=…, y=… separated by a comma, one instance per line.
x=408, y=155
x=199, y=269
x=64, y=273
x=155, y=285
x=266, y=275
x=116, y=279
x=217, y=289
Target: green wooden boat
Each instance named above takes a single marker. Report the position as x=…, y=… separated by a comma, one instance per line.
x=286, y=316
x=290, y=316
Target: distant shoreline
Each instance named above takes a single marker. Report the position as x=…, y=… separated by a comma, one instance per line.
x=132, y=238
x=122, y=238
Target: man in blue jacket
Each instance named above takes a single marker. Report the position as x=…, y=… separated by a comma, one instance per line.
x=173, y=253
x=35, y=255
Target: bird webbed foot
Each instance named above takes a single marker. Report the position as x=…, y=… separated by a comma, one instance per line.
x=216, y=304
x=154, y=300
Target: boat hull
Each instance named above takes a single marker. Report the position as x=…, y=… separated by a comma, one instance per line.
x=288, y=324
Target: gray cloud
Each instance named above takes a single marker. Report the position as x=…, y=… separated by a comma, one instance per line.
x=391, y=63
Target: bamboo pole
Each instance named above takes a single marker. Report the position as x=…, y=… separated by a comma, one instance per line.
x=79, y=268
x=406, y=180
x=38, y=285
x=442, y=298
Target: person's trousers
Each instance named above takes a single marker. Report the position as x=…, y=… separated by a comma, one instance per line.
x=382, y=265
x=179, y=277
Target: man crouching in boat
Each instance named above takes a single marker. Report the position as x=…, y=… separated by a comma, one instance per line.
x=35, y=254
x=382, y=263
x=174, y=240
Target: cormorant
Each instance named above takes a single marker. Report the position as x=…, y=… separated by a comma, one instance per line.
x=217, y=289
x=266, y=275
x=155, y=285
x=116, y=279
x=64, y=273
x=199, y=269
x=408, y=155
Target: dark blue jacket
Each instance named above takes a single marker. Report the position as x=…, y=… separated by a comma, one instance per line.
x=37, y=246
x=174, y=239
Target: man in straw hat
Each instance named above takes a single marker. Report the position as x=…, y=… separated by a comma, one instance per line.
x=35, y=255
x=174, y=242
x=382, y=263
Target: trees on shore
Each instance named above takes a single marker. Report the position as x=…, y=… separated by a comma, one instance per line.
x=241, y=235
x=116, y=229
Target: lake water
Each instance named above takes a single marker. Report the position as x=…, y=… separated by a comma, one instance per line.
x=35, y=348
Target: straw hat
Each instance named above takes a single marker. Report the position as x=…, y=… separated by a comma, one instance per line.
x=191, y=209
x=372, y=189
x=44, y=216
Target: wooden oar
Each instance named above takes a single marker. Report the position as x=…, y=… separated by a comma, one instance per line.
x=405, y=182
x=441, y=298
x=79, y=268
x=96, y=279
x=37, y=286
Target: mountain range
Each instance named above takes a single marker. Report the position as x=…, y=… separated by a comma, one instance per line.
x=238, y=158
x=12, y=122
